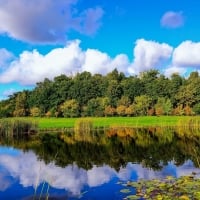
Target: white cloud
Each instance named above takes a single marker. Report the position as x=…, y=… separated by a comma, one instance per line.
x=46, y=21
x=98, y=62
x=149, y=55
x=174, y=70
x=17, y=165
x=172, y=19
x=105, y=174
x=187, y=54
x=32, y=67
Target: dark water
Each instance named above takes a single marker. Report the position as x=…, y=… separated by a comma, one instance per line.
x=93, y=165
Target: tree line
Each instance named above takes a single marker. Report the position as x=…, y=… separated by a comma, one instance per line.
x=113, y=94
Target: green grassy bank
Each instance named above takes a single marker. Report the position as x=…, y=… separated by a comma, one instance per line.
x=45, y=123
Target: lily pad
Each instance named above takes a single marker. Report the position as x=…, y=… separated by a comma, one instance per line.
x=125, y=191
x=183, y=188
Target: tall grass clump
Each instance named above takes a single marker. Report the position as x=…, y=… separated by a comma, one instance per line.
x=83, y=128
x=17, y=127
x=190, y=127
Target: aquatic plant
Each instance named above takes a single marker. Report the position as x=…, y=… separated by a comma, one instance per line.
x=17, y=127
x=83, y=129
x=185, y=188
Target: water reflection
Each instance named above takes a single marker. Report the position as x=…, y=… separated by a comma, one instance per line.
x=71, y=165
x=25, y=168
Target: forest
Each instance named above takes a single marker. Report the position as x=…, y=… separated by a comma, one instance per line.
x=113, y=94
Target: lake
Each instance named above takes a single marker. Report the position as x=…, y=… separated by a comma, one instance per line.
x=93, y=165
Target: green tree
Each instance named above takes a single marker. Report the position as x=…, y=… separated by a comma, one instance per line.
x=142, y=104
x=125, y=101
x=163, y=106
x=176, y=81
x=70, y=108
x=114, y=92
x=86, y=87
x=115, y=75
x=6, y=108
x=132, y=87
x=20, y=105
x=196, y=109
x=41, y=96
x=61, y=87
x=186, y=95
x=155, y=84
x=93, y=108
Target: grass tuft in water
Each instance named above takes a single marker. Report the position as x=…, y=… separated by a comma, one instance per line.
x=17, y=127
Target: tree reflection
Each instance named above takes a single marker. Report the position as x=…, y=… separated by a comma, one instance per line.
x=152, y=147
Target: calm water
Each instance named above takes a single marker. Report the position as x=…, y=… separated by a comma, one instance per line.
x=92, y=165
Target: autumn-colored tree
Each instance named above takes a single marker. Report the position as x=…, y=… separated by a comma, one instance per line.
x=35, y=112
x=188, y=110
x=179, y=110
x=70, y=108
x=121, y=110
x=130, y=111
x=151, y=112
x=125, y=101
x=163, y=106
x=48, y=114
x=159, y=111
x=109, y=111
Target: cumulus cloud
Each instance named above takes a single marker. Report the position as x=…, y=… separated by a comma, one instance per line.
x=172, y=19
x=187, y=54
x=149, y=54
x=174, y=70
x=46, y=21
x=32, y=67
x=99, y=62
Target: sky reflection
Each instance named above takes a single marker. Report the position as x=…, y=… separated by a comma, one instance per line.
x=25, y=168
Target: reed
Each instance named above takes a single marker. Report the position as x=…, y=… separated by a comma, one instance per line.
x=83, y=125
x=83, y=130
x=189, y=127
x=17, y=127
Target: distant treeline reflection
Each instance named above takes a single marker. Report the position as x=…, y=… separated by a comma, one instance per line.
x=151, y=147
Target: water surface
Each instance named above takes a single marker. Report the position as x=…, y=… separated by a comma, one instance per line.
x=92, y=166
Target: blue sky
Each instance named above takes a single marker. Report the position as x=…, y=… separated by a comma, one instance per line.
x=46, y=38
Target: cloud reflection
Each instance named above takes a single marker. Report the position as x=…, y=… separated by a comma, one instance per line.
x=29, y=171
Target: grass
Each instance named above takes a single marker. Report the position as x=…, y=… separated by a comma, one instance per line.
x=17, y=126
x=146, y=121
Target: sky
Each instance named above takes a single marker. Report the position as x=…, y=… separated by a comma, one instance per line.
x=46, y=38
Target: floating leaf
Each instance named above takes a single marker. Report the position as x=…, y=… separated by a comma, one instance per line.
x=125, y=191
x=182, y=188
x=132, y=197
